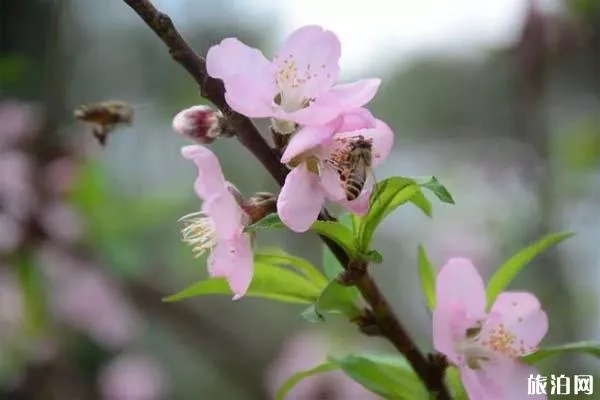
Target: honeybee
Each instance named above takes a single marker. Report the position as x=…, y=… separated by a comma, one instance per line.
x=353, y=161
x=104, y=117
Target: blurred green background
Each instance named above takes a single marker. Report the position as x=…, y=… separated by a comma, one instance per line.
x=501, y=101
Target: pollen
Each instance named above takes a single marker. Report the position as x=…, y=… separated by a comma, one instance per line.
x=502, y=341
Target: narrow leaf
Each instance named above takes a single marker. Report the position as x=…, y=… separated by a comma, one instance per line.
x=387, y=196
x=277, y=256
x=338, y=298
x=297, y=377
x=437, y=189
x=419, y=200
x=509, y=270
x=338, y=233
x=270, y=221
x=269, y=282
x=390, y=377
x=428, y=274
x=331, y=265
x=589, y=347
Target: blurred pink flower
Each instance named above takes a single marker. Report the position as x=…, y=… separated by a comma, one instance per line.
x=307, y=350
x=314, y=178
x=61, y=222
x=59, y=176
x=132, y=377
x=11, y=233
x=18, y=122
x=88, y=300
x=17, y=195
x=297, y=86
x=486, y=347
x=218, y=227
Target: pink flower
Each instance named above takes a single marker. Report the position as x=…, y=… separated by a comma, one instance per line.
x=218, y=227
x=486, y=347
x=314, y=178
x=296, y=87
x=133, y=377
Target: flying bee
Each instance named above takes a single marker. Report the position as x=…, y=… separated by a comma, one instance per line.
x=104, y=117
x=353, y=161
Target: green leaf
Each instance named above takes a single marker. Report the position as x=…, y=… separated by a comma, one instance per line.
x=589, y=347
x=422, y=203
x=437, y=189
x=390, y=377
x=277, y=256
x=270, y=221
x=349, y=221
x=338, y=298
x=298, y=376
x=509, y=270
x=455, y=384
x=338, y=233
x=331, y=265
x=387, y=196
x=335, y=299
x=269, y=282
x=427, y=273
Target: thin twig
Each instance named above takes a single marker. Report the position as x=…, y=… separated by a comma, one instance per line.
x=248, y=135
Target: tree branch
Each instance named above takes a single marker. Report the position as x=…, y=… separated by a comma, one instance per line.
x=248, y=135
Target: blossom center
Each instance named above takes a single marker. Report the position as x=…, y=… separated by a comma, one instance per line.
x=199, y=232
x=478, y=347
x=292, y=84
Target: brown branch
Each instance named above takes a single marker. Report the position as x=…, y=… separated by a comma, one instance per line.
x=248, y=135
x=210, y=88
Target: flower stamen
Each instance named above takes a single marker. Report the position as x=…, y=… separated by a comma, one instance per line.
x=198, y=232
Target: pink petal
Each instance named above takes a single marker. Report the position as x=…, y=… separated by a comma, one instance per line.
x=358, y=206
x=246, y=74
x=522, y=315
x=382, y=137
x=473, y=386
x=449, y=324
x=240, y=277
x=459, y=281
x=360, y=118
x=219, y=261
x=501, y=378
x=233, y=259
x=306, y=139
x=226, y=214
x=210, y=179
x=331, y=184
x=356, y=94
x=250, y=97
x=321, y=111
x=233, y=58
x=316, y=53
x=334, y=190
x=300, y=199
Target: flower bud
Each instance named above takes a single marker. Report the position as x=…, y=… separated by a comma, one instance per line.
x=202, y=124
